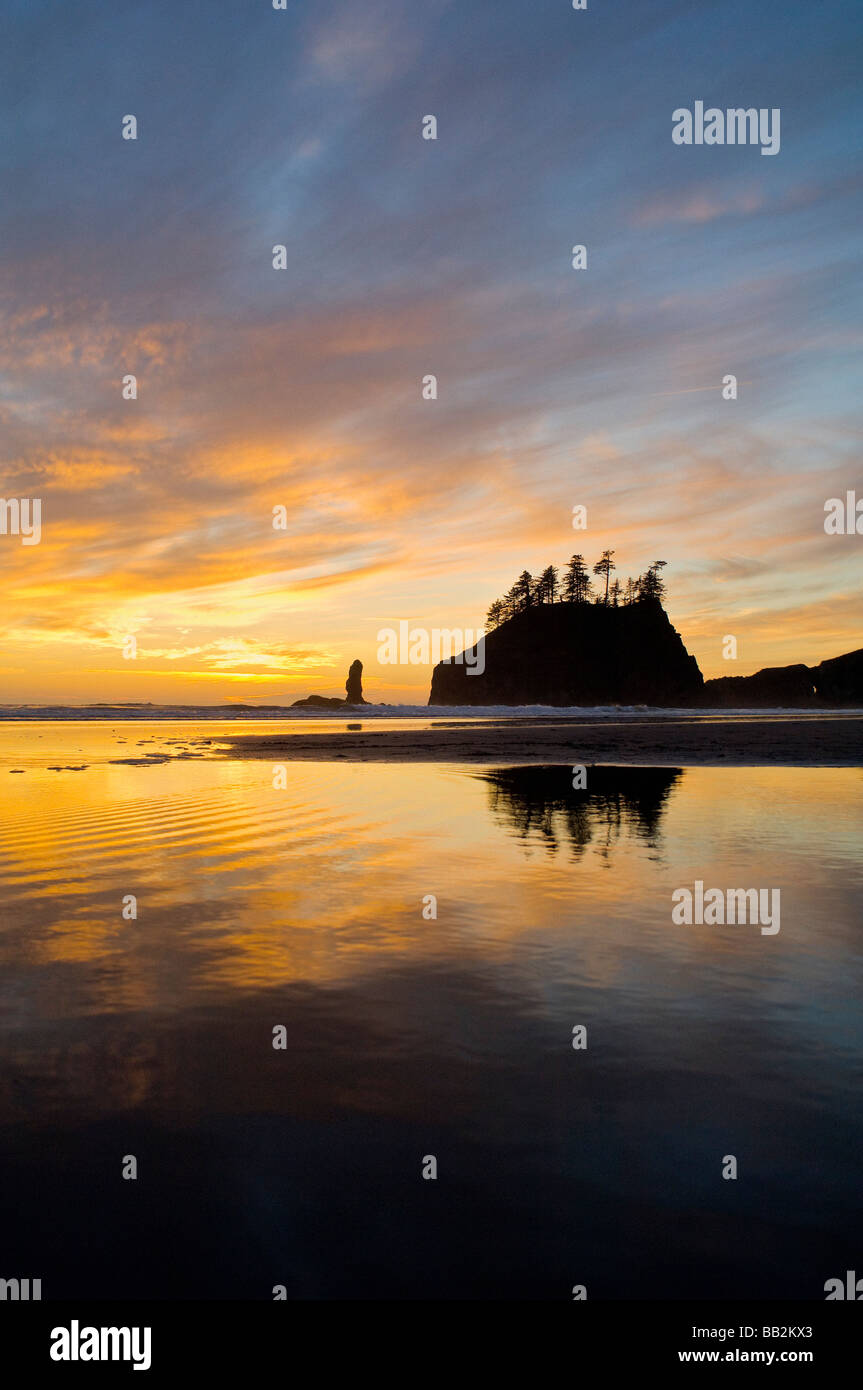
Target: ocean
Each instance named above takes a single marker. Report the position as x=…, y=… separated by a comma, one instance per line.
x=425, y=943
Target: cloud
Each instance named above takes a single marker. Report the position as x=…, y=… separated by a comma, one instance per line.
x=698, y=205
x=301, y=388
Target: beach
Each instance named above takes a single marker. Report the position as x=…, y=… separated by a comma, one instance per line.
x=826, y=740
x=281, y=994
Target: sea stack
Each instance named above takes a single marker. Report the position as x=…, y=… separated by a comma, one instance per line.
x=353, y=687
x=576, y=654
x=354, y=684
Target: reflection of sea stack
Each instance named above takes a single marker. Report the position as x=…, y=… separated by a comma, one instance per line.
x=353, y=686
x=542, y=802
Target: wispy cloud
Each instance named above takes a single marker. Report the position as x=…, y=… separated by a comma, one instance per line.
x=300, y=389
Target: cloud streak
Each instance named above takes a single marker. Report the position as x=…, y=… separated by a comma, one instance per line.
x=300, y=389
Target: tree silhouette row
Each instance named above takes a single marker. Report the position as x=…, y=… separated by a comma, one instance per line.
x=574, y=585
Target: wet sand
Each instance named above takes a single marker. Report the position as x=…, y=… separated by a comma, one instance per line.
x=832, y=740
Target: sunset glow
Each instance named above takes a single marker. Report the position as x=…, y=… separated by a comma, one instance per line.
x=260, y=388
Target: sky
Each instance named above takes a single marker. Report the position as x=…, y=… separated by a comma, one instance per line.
x=301, y=388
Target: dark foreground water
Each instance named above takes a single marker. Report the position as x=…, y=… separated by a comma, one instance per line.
x=408, y=1037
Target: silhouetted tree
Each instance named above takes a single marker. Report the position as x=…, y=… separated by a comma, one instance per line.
x=546, y=585
x=495, y=615
x=651, y=584
x=524, y=591
x=510, y=603
x=576, y=581
x=604, y=566
x=575, y=587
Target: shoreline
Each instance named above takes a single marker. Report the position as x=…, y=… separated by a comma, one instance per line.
x=371, y=713
x=831, y=741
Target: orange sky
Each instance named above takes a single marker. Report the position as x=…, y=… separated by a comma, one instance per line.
x=412, y=510
x=301, y=388
x=226, y=608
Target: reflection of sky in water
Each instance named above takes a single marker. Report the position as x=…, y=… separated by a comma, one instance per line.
x=303, y=907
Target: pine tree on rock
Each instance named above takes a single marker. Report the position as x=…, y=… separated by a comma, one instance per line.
x=604, y=566
x=576, y=583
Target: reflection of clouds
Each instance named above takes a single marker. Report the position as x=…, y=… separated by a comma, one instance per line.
x=243, y=888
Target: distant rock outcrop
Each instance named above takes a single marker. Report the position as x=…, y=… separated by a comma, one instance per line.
x=353, y=687
x=575, y=654
x=832, y=683
x=320, y=702
x=774, y=686
x=840, y=680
